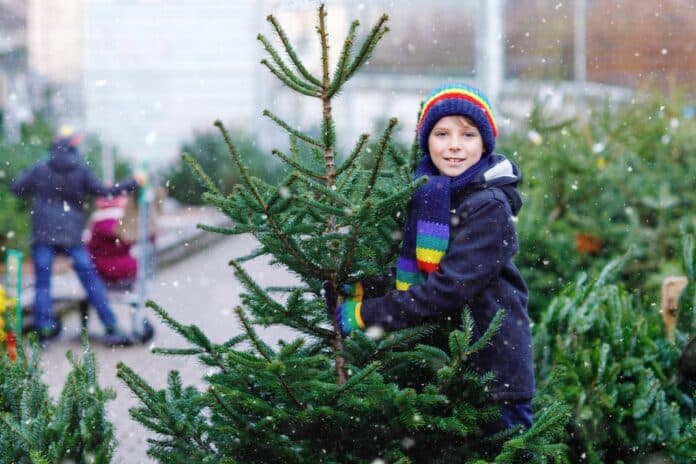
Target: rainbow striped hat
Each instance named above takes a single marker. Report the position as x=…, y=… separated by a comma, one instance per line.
x=457, y=99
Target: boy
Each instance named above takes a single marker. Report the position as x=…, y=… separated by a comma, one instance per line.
x=459, y=240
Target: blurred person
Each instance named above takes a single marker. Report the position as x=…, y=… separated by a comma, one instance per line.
x=109, y=246
x=60, y=187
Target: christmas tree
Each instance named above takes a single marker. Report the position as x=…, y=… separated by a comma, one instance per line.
x=371, y=397
x=607, y=356
x=36, y=429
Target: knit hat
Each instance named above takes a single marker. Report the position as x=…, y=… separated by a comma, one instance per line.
x=462, y=100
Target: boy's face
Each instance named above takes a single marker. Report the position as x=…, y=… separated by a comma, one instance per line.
x=455, y=144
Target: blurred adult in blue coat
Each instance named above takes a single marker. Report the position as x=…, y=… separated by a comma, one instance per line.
x=60, y=188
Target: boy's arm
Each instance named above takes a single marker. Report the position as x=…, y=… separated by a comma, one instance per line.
x=96, y=188
x=477, y=254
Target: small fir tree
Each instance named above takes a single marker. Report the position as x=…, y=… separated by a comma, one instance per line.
x=36, y=429
x=601, y=352
x=321, y=398
x=211, y=154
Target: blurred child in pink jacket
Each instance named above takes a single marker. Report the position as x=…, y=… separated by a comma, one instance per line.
x=109, y=248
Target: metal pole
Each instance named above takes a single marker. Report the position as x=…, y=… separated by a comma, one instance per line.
x=580, y=51
x=490, y=54
x=13, y=281
x=108, y=165
x=144, y=201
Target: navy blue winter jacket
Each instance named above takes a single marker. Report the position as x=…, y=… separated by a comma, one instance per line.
x=476, y=271
x=60, y=188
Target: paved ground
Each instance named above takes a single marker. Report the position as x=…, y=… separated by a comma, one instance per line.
x=201, y=289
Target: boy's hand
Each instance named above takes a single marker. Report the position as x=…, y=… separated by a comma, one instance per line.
x=140, y=178
x=348, y=313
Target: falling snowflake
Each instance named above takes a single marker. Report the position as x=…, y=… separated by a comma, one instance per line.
x=535, y=137
x=374, y=332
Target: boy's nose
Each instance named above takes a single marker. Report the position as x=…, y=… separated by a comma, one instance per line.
x=454, y=144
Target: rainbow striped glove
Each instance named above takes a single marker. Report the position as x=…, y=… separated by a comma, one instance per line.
x=348, y=313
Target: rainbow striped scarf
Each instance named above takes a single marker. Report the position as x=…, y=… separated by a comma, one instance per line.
x=427, y=227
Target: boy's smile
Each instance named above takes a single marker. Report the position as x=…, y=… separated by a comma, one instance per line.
x=455, y=144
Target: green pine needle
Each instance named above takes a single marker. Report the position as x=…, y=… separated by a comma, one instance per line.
x=202, y=176
x=293, y=132
x=291, y=51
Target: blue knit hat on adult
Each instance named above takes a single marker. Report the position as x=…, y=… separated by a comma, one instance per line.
x=462, y=100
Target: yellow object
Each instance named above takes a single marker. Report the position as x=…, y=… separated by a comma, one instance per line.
x=6, y=304
x=66, y=131
x=4, y=301
x=429, y=256
x=3, y=309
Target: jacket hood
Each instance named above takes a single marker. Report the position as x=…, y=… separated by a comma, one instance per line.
x=503, y=174
x=63, y=157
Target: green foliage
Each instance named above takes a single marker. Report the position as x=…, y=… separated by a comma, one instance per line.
x=685, y=333
x=211, y=154
x=601, y=352
x=406, y=397
x=686, y=320
x=15, y=158
x=34, y=428
x=618, y=180
x=264, y=405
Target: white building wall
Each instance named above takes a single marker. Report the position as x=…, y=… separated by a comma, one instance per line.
x=155, y=70
x=152, y=71
x=54, y=29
